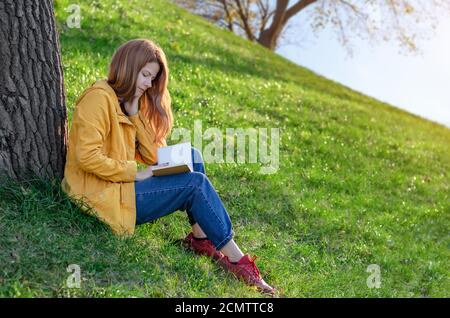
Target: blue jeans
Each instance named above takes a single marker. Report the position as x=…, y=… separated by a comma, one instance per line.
x=191, y=192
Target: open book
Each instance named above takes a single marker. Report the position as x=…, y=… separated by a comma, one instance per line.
x=174, y=159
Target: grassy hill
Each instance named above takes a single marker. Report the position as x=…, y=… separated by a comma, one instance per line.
x=359, y=182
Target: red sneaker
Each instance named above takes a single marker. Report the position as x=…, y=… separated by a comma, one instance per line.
x=202, y=247
x=247, y=270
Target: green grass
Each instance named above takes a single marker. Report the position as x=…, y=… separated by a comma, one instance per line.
x=360, y=182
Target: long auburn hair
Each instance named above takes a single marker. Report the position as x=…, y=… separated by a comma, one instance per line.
x=155, y=103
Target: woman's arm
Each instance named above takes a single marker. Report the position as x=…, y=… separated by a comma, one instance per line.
x=146, y=150
x=92, y=118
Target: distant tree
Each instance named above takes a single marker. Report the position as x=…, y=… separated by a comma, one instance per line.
x=264, y=21
x=32, y=99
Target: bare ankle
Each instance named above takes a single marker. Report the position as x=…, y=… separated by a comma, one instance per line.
x=234, y=259
x=232, y=251
x=197, y=231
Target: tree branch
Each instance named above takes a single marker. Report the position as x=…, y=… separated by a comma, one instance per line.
x=299, y=6
x=244, y=20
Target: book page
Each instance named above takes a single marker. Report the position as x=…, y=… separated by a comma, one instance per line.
x=175, y=155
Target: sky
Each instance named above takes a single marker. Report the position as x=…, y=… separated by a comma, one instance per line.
x=419, y=84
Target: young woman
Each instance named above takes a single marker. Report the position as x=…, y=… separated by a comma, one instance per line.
x=126, y=118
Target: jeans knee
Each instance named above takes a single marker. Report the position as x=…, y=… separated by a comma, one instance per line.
x=198, y=179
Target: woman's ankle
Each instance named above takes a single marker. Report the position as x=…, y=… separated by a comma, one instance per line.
x=198, y=232
x=232, y=251
x=234, y=260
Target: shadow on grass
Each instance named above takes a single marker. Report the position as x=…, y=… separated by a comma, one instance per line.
x=43, y=232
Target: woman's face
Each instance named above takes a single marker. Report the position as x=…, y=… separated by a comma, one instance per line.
x=145, y=78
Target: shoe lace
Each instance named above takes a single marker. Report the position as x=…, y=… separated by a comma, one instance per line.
x=253, y=266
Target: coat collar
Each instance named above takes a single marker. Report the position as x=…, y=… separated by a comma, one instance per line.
x=103, y=84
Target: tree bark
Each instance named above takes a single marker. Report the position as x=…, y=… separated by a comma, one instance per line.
x=33, y=120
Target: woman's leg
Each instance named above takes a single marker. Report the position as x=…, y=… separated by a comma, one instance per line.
x=191, y=192
x=194, y=193
x=198, y=166
x=231, y=249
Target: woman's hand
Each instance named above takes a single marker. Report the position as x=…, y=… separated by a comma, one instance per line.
x=144, y=174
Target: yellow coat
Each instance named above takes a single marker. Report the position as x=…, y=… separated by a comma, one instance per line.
x=100, y=165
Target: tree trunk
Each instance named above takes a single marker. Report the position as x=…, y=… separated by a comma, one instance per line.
x=33, y=121
x=269, y=37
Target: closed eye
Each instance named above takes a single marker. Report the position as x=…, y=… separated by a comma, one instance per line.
x=147, y=75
